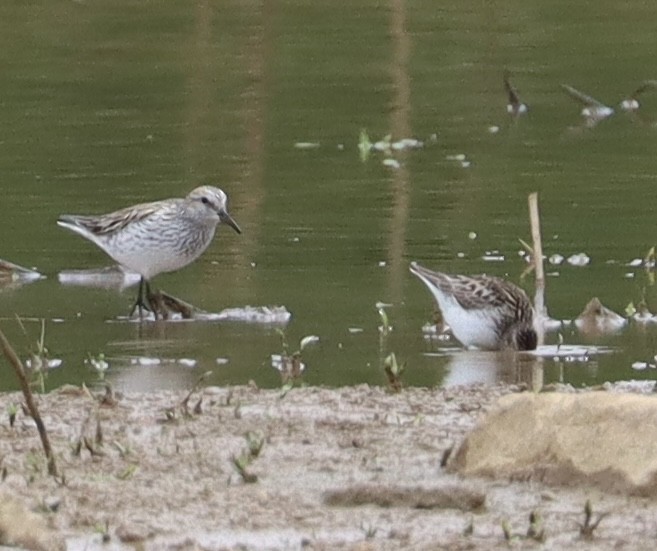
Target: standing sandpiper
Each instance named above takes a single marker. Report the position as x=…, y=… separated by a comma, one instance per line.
x=482, y=311
x=151, y=238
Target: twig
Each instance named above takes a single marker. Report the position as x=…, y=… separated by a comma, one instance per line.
x=539, y=295
x=185, y=401
x=537, y=250
x=13, y=359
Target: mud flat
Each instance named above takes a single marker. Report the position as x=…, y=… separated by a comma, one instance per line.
x=347, y=468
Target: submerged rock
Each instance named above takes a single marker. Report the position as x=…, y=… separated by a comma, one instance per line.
x=598, y=319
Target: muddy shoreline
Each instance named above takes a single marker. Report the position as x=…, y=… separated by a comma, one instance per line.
x=346, y=468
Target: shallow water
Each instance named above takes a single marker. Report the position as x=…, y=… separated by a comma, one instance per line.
x=106, y=105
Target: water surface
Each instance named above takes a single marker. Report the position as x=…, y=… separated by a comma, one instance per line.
x=109, y=104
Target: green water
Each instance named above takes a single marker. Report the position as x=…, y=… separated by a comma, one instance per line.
x=105, y=104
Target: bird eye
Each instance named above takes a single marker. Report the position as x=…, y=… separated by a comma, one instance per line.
x=205, y=200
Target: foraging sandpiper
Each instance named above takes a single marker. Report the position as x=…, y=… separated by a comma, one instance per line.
x=593, y=110
x=483, y=311
x=631, y=102
x=515, y=107
x=151, y=238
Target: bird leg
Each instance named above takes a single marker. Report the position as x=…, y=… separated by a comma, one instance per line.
x=160, y=303
x=140, y=303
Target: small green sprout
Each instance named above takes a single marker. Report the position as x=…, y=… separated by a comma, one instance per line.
x=506, y=530
x=535, y=531
x=12, y=410
x=254, y=441
x=98, y=363
x=587, y=528
x=394, y=371
x=364, y=145
x=290, y=365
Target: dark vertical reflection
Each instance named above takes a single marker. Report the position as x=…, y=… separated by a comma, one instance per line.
x=199, y=86
x=250, y=194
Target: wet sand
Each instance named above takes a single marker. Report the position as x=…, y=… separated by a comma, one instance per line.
x=350, y=468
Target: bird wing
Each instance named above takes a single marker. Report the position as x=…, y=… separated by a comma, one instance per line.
x=483, y=293
x=644, y=86
x=115, y=221
x=581, y=96
x=514, y=98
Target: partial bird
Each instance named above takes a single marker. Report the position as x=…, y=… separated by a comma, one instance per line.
x=152, y=238
x=631, y=103
x=593, y=110
x=482, y=311
x=515, y=107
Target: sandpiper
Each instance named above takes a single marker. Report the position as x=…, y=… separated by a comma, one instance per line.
x=631, y=102
x=151, y=238
x=593, y=110
x=483, y=311
x=515, y=107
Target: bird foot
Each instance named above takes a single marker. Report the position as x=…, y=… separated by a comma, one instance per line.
x=162, y=305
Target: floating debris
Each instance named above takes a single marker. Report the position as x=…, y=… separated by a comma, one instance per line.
x=275, y=315
x=222, y=361
x=556, y=259
x=437, y=332
x=308, y=340
x=97, y=362
x=635, y=263
x=493, y=257
x=579, y=259
x=493, y=129
x=39, y=363
x=640, y=366
x=640, y=314
x=145, y=360
x=391, y=163
x=457, y=157
x=14, y=275
x=383, y=145
x=569, y=353
x=306, y=145
x=472, y=235
x=407, y=143
x=187, y=362
x=109, y=277
x=290, y=365
x=355, y=330
x=598, y=319
x=382, y=264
